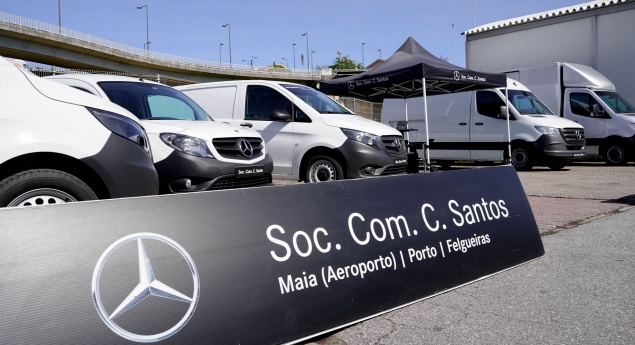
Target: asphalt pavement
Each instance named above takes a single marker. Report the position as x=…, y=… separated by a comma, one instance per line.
x=582, y=291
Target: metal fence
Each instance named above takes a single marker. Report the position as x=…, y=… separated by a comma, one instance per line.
x=369, y=110
x=57, y=30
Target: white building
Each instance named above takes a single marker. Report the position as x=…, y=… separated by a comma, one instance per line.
x=600, y=34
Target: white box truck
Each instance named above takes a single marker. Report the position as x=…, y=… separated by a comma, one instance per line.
x=311, y=137
x=472, y=126
x=582, y=94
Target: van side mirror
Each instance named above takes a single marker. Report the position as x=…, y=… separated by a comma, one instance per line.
x=502, y=112
x=595, y=112
x=280, y=115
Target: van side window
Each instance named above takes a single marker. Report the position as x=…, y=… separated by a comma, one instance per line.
x=488, y=103
x=582, y=104
x=262, y=101
x=169, y=108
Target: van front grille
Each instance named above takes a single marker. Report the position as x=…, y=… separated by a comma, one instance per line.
x=232, y=182
x=573, y=136
x=238, y=148
x=394, y=144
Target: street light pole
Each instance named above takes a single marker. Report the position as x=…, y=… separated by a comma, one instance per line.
x=59, y=16
x=229, y=30
x=363, y=64
x=294, y=57
x=220, y=53
x=252, y=61
x=308, y=65
x=379, y=50
x=147, y=44
x=312, y=51
x=286, y=60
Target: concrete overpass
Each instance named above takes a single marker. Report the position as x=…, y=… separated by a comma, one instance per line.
x=27, y=39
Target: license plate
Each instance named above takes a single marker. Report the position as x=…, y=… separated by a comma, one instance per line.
x=250, y=171
x=401, y=161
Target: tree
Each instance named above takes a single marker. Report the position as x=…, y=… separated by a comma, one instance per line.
x=344, y=62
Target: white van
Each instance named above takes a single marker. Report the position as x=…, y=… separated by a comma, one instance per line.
x=472, y=126
x=60, y=145
x=584, y=95
x=191, y=151
x=310, y=137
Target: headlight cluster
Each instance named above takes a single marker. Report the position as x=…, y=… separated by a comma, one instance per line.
x=188, y=145
x=547, y=130
x=123, y=127
x=362, y=137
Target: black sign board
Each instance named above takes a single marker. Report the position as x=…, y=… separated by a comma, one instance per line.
x=254, y=266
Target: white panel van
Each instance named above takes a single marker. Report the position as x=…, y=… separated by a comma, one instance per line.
x=310, y=137
x=472, y=126
x=60, y=145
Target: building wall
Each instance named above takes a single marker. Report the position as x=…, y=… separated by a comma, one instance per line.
x=602, y=38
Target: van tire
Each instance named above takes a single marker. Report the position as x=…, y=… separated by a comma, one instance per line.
x=43, y=187
x=615, y=154
x=522, y=157
x=323, y=169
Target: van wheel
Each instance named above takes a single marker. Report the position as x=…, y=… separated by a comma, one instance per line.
x=43, y=187
x=522, y=158
x=615, y=154
x=323, y=169
x=445, y=165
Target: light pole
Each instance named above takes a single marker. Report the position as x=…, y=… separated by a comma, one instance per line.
x=220, y=55
x=59, y=16
x=363, y=64
x=286, y=60
x=452, y=43
x=312, y=51
x=147, y=44
x=308, y=65
x=252, y=61
x=379, y=50
x=294, y=57
x=229, y=30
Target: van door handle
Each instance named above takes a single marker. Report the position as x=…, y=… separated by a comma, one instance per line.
x=462, y=123
x=479, y=123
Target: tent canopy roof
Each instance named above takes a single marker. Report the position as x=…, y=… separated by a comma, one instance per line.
x=401, y=76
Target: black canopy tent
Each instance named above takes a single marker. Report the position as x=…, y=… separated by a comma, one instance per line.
x=403, y=75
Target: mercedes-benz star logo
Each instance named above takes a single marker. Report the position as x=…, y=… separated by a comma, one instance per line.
x=578, y=135
x=398, y=144
x=457, y=75
x=245, y=148
x=148, y=286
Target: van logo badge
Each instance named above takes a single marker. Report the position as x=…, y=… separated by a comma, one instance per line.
x=578, y=134
x=148, y=287
x=398, y=144
x=245, y=148
x=351, y=85
x=457, y=76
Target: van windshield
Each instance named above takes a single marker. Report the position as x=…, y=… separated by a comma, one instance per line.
x=317, y=100
x=527, y=103
x=616, y=102
x=149, y=101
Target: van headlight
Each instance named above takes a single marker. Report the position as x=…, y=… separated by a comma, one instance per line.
x=547, y=130
x=362, y=137
x=188, y=145
x=123, y=126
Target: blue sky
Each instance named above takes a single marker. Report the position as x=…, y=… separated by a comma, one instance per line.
x=268, y=29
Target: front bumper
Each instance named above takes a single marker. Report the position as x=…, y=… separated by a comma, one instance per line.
x=125, y=168
x=364, y=161
x=554, y=147
x=181, y=172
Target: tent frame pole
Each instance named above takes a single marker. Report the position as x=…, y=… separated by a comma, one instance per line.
x=425, y=116
x=509, y=142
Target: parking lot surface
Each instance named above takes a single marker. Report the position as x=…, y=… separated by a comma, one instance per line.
x=581, y=292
